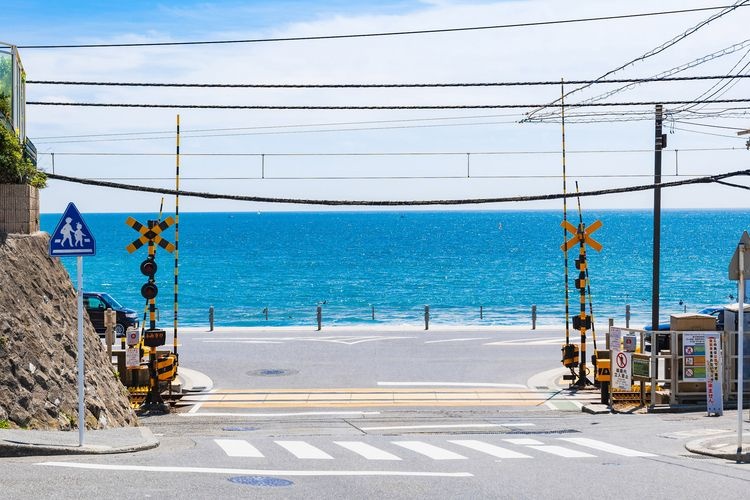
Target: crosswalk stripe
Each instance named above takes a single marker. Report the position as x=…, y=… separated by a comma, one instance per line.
x=523, y=441
x=490, y=449
x=238, y=448
x=554, y=450
x=609, y=448
x=562, y=452
x=429, y=450
x=301, y=449
x=366, y=450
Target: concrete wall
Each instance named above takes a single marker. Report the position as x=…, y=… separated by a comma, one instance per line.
x=19, y=209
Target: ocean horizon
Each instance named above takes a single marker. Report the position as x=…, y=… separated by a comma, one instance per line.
x=472, y=268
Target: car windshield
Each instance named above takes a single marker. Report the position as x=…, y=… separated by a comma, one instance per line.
x=111, y=302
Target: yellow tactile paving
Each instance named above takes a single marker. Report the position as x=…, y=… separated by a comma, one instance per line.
x=368, y=397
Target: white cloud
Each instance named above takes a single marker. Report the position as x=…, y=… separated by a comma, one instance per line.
x=582, y=50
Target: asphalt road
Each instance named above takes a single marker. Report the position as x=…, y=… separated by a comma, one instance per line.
x=451, y=414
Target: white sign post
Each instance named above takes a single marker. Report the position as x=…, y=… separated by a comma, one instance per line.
x=714, y=396
x=72, y=238
x=737, y=272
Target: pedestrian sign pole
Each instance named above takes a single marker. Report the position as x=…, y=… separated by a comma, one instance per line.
x=72, y=238
x=152, y=337
x=739, y=267
x=582, y=321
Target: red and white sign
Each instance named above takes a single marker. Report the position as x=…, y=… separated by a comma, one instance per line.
x=621, y=378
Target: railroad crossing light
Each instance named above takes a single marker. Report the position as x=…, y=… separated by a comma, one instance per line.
x=149, y=290
x=148, y=267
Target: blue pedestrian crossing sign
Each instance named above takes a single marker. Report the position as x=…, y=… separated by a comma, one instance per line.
x=71, y=237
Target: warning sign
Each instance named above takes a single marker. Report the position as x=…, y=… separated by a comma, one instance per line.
x=621, y=378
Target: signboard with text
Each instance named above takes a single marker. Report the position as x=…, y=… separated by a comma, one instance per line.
x=694, y=357
x=714, y=396
x=621, y=378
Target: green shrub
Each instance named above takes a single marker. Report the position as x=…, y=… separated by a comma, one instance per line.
x=14, y=168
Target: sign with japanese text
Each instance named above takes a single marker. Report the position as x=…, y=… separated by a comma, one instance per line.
x=714, y=396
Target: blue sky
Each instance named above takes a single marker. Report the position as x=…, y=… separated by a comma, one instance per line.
x=302, y=155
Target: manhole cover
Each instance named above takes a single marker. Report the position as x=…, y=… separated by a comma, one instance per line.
x=272, y=372
x=266, y=481
x=240, y=429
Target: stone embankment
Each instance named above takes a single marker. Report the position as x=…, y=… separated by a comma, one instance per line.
x=38, y=346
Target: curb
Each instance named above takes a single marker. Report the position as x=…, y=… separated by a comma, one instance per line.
x=22, y=443
x=720, y=447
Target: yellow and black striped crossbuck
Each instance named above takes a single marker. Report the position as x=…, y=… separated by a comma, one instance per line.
x=150, y=234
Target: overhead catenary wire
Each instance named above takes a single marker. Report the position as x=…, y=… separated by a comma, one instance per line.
x=380, y=34
x=395, y=203
x=376, y=107
x=538, y=83
x=657, y=50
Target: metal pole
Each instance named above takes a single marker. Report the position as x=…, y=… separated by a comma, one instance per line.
x=740, y=348
x=81, y=405
x=320, y=317
x=533, y=317
x=658, y=144
x=627, y=315
x=372, y=307
x=481, y=312
x=176, y=234
x=426, y=317
x=211, y=318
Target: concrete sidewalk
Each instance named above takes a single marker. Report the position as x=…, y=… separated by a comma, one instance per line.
x=19, y=442
x=724, y=446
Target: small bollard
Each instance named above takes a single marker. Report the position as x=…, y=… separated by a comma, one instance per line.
x=211, y=319
x=627, y=315
x=481, y=312
x=533, y=317
x=426, y=317
x=320, y=317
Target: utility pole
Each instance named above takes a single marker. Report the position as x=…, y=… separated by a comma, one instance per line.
x=660, y=142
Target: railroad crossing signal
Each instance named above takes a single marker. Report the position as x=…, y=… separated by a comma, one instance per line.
x=150, y=234
x=581, y=235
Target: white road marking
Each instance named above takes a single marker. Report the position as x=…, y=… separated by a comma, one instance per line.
x=366, y=450
x=252, y=472
x=274, y=415
x=454, y=340
x=609, y=448
x=490, y=449
x=429, y=450
x=238, y=448
x=523, y=441
x=445, y=426
x=346, y=340
x=450, y=384
x=695, y=433
x=562, y=452
x=241, y=342
x=301, y=449
x=198, y=405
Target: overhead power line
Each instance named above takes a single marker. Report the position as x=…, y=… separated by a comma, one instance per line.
x=375, y=85
x=657, y=50
x=393, y=203
x=380, y=34
x=377, y=107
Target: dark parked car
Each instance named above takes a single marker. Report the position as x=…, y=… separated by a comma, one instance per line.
x=96, y=303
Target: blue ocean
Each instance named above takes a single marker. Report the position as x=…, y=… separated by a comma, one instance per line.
x=471, y=268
